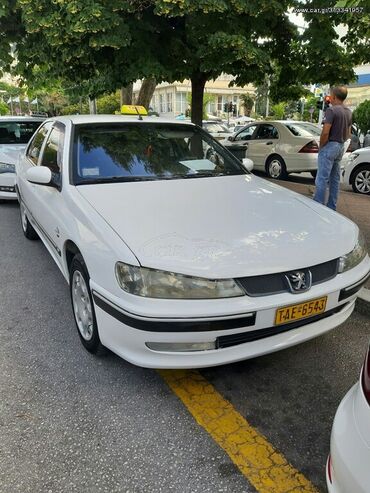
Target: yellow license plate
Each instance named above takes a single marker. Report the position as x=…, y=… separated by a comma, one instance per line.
x=302, y=310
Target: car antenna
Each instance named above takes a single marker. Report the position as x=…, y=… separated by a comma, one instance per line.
x=140, y=117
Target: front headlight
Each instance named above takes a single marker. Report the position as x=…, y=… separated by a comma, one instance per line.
x=353, y=258
x=7, y=168
x=153, y=283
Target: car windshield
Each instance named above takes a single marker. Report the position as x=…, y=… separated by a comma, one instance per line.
x=303, y=129
x=215, y=128
x=147, y=151
x=13, y=132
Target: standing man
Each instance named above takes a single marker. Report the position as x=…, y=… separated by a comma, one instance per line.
x=336, y=130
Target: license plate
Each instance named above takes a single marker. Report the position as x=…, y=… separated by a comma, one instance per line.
x=302, y=310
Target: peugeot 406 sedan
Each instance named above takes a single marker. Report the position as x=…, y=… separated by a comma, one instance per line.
x=174, y=259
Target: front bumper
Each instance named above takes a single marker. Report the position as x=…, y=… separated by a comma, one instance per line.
x=350, y=445
x=7, y=186
x=228, y=330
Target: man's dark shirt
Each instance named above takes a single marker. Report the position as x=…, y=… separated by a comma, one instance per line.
x=340, y=118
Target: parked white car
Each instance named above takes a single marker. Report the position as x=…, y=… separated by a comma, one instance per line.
x=277, y=147
x=347, y=469
x=176, y=260
x=15, y=132
x=356, y=172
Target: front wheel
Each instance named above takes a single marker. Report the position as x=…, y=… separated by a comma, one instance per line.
x=83, y=307
x=276, y=168
x=27, y=228
x=361, y=180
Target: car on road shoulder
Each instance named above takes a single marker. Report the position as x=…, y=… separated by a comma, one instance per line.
x=356, y=172
x=177, y=260
x=347, y=469
x=15, y=132
x=277, y=147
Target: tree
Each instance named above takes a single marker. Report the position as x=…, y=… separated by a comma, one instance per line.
x=102, y=45
x=247, y=102
x=361, y=116
x=207, y=98
x=4, y=109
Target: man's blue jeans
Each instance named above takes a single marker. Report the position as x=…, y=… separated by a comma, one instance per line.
x=328, y=173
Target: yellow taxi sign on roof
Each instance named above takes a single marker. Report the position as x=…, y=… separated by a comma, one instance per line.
x=131, y=109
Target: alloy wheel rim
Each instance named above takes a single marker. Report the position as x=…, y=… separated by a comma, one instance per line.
x=82, y=306
x=23, y=217
x=275, y=168
x=362, y=181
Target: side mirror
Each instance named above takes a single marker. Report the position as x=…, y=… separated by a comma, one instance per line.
x=247, y=164
x=41, y=175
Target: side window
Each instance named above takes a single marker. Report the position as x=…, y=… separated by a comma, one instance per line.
x=34, y=148
x=267, y=132
x=246, y=134
x=53, y=151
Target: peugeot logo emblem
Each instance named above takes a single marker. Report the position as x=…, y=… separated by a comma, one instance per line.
x=299, y=281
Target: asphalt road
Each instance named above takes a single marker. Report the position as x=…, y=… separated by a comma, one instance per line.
x=71, y=422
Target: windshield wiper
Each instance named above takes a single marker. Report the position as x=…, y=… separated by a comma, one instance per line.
x=116, y=179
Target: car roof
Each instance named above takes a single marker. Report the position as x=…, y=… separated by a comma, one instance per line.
x=80, y=119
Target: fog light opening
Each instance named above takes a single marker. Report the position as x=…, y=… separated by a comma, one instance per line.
x=181, y=346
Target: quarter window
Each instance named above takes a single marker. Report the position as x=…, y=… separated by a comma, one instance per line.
x=34, y=149
x=52, y=155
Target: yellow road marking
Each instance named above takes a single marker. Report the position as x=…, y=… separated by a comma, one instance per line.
x=265, y=468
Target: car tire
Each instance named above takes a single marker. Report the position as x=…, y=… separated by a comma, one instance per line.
x=360, y=180
x=27, y=228
x=83, y=306
x=276, y=168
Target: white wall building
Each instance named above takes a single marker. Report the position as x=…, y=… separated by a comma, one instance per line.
x=170, y=100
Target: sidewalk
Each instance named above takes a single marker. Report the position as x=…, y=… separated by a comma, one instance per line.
x=352, y=205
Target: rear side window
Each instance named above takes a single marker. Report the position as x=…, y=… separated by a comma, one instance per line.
x=34, y=149
x=17, y=132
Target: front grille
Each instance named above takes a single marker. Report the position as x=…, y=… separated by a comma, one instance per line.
x=276, y=283
x=7, y=189
x=255, y=335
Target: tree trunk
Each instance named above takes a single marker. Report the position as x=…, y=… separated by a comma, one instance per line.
x=146, y=92
x=198, y=81
x=126, y=94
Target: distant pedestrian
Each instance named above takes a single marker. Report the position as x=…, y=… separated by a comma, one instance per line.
x=336, y=130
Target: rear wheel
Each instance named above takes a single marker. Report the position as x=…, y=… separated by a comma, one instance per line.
x=276, y=168
x=360, y=180
x=27, y=228
x=83, y=307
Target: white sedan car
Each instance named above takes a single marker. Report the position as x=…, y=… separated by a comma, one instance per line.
x=277, y=147
x=347, y=468
x=174, y=260
x=15, y=132
x=356, y=172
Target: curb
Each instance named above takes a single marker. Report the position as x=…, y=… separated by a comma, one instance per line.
x=363, y=301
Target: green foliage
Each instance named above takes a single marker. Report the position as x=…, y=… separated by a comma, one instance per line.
x=247, y=102
x=108, y=103
x=278, y=111
x=4, y=109
x=361, y=116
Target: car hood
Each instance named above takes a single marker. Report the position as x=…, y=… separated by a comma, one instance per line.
x=9, y=152
x=221, y=227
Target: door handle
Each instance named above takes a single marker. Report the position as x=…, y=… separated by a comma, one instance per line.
x=269, y=143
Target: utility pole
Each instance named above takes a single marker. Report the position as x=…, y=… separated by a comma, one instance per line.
x=268, y=97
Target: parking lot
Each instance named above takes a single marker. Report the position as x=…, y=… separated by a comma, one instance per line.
x=74, y=422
